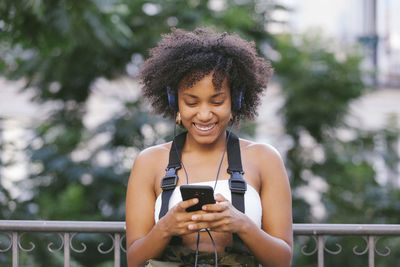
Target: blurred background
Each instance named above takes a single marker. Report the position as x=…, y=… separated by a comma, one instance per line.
x=72, y=118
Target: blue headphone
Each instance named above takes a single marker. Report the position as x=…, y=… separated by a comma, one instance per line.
x=173, y=101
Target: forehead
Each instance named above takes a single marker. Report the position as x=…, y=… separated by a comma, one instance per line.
x=205, y=83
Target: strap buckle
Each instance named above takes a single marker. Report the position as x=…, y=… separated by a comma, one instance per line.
x=170, y=180
x=237, y=184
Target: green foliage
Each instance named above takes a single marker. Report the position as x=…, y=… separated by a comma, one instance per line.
x=319, y=86
x=62, y=47
x=318, y=89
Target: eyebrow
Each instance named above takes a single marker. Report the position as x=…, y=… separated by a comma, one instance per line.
x=213, y=96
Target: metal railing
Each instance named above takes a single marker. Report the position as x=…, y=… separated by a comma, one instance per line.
x=14, y=231
x=370, y=233
x=67, y=231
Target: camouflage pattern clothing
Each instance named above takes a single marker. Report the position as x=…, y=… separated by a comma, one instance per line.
x=174, y=256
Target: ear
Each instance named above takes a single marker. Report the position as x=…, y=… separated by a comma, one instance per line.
x=178, y=119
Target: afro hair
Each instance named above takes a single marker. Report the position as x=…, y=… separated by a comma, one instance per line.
x=183, y=58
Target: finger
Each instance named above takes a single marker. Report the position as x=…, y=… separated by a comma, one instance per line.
x=206, y=217
x=219, y=198
x=189, y=229
x=199, y=226
x=219, y=207
x=183, y=205
x=220, y=226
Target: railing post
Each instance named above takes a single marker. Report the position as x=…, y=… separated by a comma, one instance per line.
x=66, y=250
x=371, y=251
x=321, y=251
x=15, y=260
x=117, y=250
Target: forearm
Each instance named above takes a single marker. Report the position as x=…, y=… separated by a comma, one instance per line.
x=150, y=246
x=269, y=250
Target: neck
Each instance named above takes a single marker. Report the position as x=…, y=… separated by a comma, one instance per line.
x=218, y=145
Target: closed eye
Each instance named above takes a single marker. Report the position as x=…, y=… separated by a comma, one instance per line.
x=191, y=104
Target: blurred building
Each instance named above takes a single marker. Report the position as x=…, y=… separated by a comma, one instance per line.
x=373, y=24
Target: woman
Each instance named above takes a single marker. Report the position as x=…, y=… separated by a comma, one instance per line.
x=207, y=81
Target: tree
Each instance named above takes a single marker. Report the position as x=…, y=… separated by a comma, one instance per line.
x=318, y=86
x=61, y=48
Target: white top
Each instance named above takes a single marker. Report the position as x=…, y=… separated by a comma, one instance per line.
x=252, y=201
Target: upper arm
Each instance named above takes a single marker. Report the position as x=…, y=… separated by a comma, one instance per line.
x=140, y=198
x=275, y=195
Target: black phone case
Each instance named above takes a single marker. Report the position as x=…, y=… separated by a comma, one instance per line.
x=204, y=193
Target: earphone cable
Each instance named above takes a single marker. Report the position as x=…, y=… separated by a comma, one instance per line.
x=223, y=155
x=215, y=248
x=179, y=156
x=197, y=248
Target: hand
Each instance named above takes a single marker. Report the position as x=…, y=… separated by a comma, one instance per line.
x=177, y=219
x=219, y=217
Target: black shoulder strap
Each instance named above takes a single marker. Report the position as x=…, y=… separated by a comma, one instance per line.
x=237, y=184
x=169, y=181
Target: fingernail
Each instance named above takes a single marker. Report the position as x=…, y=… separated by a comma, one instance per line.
x=195, y=217
x=191, y=226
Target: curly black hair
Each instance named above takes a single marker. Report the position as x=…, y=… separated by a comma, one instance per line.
x=183, y=58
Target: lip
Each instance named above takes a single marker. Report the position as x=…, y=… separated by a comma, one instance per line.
x=204, y=129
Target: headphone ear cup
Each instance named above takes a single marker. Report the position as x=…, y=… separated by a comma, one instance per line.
x=239, y=101
x=172, y=101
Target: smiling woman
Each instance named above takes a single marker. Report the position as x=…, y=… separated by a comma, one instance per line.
x=207, y=81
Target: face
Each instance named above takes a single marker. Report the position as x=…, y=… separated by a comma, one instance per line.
x=205, y=111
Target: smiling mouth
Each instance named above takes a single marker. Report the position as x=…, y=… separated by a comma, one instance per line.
x=204, y=127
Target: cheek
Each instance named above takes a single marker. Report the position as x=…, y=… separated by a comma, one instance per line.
x=225, y=111
x=187, y=114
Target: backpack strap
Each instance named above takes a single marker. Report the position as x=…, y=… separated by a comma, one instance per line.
x=238, y=187
x=237, y=184
x=169, y=181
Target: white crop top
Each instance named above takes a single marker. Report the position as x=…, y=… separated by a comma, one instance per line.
x=252, y=201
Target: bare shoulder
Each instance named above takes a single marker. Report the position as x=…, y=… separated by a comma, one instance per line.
x=150, y=162
x=266, y=160
x=260, y=151
x=153, y=154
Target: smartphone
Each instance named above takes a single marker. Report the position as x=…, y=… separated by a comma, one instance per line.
x=204, y=193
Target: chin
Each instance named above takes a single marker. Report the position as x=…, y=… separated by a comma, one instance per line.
x=206, y=138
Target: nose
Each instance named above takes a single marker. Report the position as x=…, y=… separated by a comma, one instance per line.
x=204, y=113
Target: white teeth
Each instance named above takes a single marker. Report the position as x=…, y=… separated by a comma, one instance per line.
x=204, y=128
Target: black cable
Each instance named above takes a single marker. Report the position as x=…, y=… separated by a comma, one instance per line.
x=223, y=154
x=197, y=248
x=215, y=248
x=179, y=157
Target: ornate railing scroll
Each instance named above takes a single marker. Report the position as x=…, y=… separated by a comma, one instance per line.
x=370, y=233
x=13, y=238
x=66, y=231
